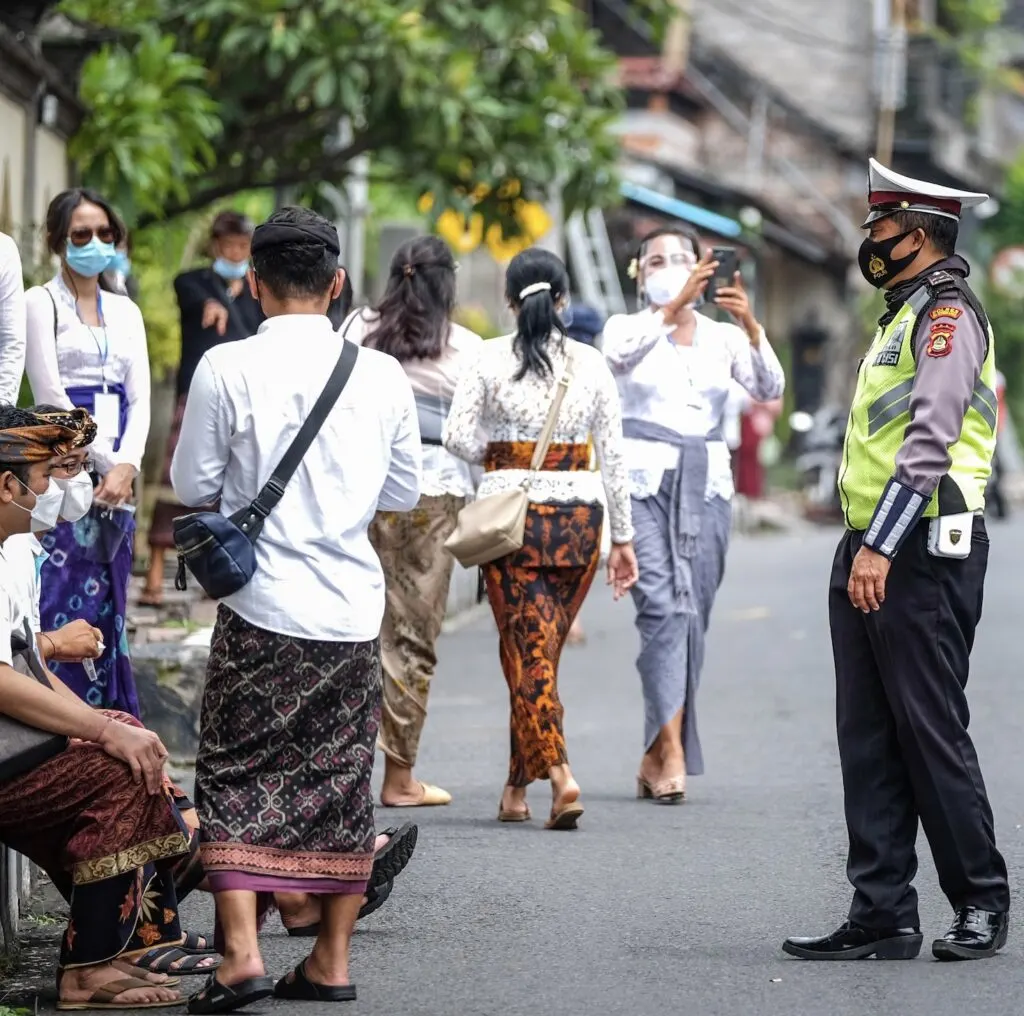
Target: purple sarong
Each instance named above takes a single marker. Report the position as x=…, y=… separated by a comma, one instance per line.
x=86, y=576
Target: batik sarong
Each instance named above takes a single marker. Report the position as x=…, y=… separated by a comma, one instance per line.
x=418, y=573
x=286, y=749
x=86, y=576
x=107, y=845
x=535, y=594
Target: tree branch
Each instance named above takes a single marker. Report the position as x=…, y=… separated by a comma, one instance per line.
x=240, y=181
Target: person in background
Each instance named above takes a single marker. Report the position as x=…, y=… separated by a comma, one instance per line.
x=95, y=816
x=215, y=306
x=757, y=421
x=584, y=324
x=118, y=277
x=674, y=367
x=87, y=348
x=500, y=409
x=995, y=494
x=294, y=670
x=413, y=323
x=12, y=321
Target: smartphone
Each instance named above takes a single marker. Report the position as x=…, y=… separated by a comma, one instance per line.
x=728, y=265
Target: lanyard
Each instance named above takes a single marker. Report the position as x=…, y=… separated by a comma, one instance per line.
x=104, y=350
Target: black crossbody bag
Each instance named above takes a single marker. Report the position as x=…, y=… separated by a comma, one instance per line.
x=219, y=550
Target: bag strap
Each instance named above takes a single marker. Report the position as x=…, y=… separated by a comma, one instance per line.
x=251, y=519
x=540, y=451
x=54, y=302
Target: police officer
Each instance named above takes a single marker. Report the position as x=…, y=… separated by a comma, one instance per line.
x=906, y=589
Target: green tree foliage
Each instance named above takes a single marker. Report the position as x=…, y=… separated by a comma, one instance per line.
x=452, y=98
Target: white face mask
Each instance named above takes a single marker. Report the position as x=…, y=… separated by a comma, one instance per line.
x=665, y=284
x=77, y=497
x=46, y=511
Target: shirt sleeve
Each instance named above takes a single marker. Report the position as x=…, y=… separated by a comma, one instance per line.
x=628, y=338
x=41, y=350
x=191, y=293
x=757, y=370
x=12, y=321
x=401, y=490
x=204, y=443
x=9, y=617
x=606, y=430
x=462, y=433
x=949, y=358
x=137, y=389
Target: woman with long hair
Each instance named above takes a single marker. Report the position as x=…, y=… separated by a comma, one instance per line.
x=673, y=367
x=499, y=411
x=413, y=323
x=87, y=348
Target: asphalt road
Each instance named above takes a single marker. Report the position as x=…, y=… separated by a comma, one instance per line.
x=651, y=910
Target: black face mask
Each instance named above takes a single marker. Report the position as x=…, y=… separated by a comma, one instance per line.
x=876, y=262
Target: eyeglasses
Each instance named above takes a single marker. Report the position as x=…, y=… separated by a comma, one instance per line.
x=74, y=468
x=81, y=235
x=660, y=260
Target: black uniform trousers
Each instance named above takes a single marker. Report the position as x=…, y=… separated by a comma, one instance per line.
x=901, y=716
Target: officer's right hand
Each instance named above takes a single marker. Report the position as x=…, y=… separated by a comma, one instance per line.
x=866, y=587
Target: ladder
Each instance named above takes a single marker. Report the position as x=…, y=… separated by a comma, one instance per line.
x=593, y=262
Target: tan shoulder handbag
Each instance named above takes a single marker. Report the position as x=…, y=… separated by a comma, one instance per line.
x=495, y=526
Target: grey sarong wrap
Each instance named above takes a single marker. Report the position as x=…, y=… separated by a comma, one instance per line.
x=689, y=483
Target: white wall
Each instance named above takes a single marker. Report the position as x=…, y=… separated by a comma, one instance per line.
x=12, y=160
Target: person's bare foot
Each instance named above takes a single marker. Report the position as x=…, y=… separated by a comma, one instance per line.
x=513, y=801
x=79, y=984
x=240, y=967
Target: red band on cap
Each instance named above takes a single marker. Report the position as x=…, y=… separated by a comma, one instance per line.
x=898, y=197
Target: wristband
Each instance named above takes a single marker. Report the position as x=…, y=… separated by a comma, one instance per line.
x=897, y=512
x=53, y=647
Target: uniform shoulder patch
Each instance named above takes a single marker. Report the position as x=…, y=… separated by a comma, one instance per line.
x=946, y=311
x=940, y=343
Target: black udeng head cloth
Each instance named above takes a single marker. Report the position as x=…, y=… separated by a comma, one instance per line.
x=275, y=234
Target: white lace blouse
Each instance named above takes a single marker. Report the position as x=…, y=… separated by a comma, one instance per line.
x=489, y=405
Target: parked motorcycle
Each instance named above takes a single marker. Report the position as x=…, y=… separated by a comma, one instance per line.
x=819, y=446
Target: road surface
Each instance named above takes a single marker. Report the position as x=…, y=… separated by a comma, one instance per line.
x=652, y=910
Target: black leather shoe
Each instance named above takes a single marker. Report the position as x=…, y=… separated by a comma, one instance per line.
x=974, y=935
x=854, y=942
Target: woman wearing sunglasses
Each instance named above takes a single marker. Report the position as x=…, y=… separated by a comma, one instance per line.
x=87, y=347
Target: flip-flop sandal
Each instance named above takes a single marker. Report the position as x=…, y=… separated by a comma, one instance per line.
x=391, y=860
x=192, y=944
x=514, y=816
x=160, y=960
x=433, y=797
x=301, y=989
x=566, y=817
x=375, y=899
x=216, y=997
x=103, y=998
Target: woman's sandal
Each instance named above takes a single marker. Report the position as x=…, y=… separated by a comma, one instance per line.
x=148, y=598
x=301, y=989
x=670, y=791
x=160, y=959
x=103, y=998
x=513, y=816
x=567, y=817
x=216, y=997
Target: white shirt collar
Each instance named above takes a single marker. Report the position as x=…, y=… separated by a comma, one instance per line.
x=311, y=324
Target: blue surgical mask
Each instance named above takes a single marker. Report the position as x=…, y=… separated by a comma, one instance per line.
x=121, y=263
x=230, y=270
x=90, y=260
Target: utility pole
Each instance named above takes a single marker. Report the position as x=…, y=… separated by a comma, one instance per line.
x=675, y=52
x=892, y=54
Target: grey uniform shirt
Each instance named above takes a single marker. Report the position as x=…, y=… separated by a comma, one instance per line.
x=942, y=392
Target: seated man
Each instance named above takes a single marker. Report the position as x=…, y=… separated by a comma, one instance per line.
x=95, y=816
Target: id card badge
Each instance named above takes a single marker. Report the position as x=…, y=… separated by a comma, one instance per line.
x=950, y=535
x=106, y=412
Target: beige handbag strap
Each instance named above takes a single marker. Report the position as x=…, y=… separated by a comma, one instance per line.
x=544, y=441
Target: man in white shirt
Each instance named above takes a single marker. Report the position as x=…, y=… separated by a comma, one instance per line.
x=12, y=321
x=292, y=701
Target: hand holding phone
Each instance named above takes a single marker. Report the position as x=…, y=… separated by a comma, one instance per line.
x=728, y=262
